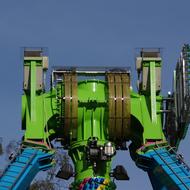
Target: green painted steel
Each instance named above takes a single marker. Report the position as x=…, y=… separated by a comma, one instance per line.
x=92, y=122
x=145, y=130
x=37, y=106
x=43, y=118
x=89, y=111
x=92, y=115
x=35, y=129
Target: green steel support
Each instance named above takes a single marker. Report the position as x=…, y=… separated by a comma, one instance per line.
x=83, y=113
x=37, y=106
x=94, y=112
x=146, y=105
x=92, y=121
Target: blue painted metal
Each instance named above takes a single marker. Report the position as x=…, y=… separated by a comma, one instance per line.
x=167, y=169
x=23, y=168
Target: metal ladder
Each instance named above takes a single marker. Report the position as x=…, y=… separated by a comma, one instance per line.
x=174, y=165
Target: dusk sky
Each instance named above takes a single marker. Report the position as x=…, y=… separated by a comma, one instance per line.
x=88, y=33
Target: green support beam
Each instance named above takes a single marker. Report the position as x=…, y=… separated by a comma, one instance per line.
x=45, y=115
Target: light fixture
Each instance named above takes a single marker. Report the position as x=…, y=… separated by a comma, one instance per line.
x=109, y=149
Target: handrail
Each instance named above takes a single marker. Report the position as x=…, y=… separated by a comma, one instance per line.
x=171, y=169
x=25, y=167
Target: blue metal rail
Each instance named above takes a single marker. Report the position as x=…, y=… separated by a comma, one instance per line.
x=24, y=167
x=168, y=169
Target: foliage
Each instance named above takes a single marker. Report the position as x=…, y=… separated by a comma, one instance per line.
x=51, y=182
x=42, y=185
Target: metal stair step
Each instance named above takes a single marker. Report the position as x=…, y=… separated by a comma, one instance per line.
x=12, y=170
x=23, y=160
x=182, y=167
x=166, y=158
x=9, y=175
x=170, y=163
x=24, y=156
x=165, y=155
x=30, y=152
x=8, y=179
x=186, y=177
x=17, y=165
x=4, y=187
x=176, y=167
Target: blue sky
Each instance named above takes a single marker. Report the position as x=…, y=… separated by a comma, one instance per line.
x=85, y=33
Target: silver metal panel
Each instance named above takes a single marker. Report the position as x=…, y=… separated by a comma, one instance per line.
x=26, y=77
x=45, y=62
x=138, y=63
x=158, y=78
x=39, y=78
x=145, y=79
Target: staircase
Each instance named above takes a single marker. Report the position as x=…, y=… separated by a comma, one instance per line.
x=168, y=169
x=23, y=168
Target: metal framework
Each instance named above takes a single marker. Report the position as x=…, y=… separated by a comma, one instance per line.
x=94, y=112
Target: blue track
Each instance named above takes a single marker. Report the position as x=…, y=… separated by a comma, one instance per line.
x=23, y=168
x=167, y=170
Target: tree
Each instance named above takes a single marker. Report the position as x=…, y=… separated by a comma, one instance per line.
x=50, y=182
x=42, y=185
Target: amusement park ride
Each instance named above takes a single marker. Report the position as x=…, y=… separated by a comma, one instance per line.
x=93, y=112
